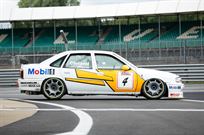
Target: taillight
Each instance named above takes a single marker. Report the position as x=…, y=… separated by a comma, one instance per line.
x=21, y=73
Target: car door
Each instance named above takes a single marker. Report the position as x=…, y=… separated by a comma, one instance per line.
x=74, y=62
x=123, y=80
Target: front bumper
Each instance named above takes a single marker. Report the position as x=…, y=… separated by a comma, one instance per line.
x=175, y=90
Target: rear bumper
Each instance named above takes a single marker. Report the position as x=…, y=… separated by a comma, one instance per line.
x=175, y=90
x=32, y=85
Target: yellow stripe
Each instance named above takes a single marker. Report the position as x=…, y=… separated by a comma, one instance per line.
x=90, y=75
x=94, y=82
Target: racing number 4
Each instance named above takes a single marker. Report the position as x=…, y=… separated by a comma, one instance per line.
x=125, y=80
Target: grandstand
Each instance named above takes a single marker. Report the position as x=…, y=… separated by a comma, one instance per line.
x=44, y=36
x=88, y=36
x=141, y=30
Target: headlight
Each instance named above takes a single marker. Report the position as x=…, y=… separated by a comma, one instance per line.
x=178, y=80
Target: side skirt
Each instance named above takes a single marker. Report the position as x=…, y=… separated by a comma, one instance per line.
x=110, y=94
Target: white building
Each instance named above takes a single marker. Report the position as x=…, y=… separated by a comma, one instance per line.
x=5, y=9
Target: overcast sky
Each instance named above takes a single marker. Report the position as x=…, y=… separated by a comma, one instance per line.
x=8, y=3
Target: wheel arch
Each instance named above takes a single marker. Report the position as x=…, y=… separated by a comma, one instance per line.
x=41, y=88
x=165, y=87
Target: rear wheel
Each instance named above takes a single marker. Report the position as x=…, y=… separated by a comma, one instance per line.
x=153, y=89
x=53, y=88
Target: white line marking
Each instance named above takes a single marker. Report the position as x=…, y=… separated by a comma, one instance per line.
x=85, y=120
x=147, y=110
x=9, y=94
x=108, y=110
x=189, y=100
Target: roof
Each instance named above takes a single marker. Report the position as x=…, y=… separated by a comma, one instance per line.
x=59, y=55
x=100, y=11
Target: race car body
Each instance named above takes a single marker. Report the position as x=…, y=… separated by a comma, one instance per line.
x=96, y=72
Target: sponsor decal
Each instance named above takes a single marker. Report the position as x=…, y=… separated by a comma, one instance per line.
x=174, y=94
x=33, y=71
x=79, y=64
x=174, y=87
x=30, y=84
x=125, y=73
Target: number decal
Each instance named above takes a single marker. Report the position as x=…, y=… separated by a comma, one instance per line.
x=125, y=80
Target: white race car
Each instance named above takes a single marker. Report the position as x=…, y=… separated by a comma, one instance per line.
x=94, y=73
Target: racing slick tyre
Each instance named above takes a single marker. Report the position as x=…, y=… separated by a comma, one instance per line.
x=153, y=89
x=53, y=88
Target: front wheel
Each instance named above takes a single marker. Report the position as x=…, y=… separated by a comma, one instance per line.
x=53, y=88
x=153, y=89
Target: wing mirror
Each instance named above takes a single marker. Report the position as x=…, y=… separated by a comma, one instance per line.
x=125, y=68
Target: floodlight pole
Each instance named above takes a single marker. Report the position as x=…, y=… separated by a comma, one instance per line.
x=54, y=30
x=99, y=32
x=76, y=35
x=184, y=51
x=120, y=38
x=54, y=23
x=126, y=56
x=33, y=23
x=159, y=27
x=64, y=39
x=179, y=20
x=139, y=27
x=12, y=39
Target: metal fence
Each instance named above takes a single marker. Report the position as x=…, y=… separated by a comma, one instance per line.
x=140, y=53
x=138, y=57
x=109, y=45
x=188, y=73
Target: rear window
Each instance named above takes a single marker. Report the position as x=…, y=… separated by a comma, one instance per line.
x=58, y=62
x=79, y=61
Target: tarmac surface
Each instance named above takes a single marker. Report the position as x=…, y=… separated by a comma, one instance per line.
x=106, y=115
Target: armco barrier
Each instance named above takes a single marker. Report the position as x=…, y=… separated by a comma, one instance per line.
x=188, y=73
x=8, y=77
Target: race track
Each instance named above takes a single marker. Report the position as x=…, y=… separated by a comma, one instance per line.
x=108, y=115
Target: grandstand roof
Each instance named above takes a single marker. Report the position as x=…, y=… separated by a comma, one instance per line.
x=108, y=10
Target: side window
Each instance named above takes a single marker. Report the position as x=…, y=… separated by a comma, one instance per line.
x=82, y=61
x=58, y=62
x=107, y=62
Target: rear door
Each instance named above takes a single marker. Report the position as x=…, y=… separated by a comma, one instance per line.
x=74, y=63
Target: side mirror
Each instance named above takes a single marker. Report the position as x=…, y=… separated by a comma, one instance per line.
x=125, y=68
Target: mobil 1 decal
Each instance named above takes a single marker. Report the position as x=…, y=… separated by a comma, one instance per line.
x=33, y=71
x=125, y=80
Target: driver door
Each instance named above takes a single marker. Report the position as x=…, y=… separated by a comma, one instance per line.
x=123, y=80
